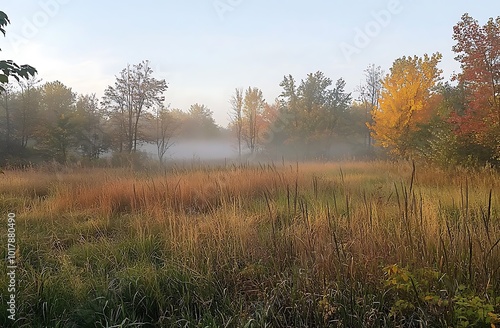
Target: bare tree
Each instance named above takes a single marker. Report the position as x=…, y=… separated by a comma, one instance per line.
x=253, y=105
x=236, y=115
x=166, y=127
x=369, y=95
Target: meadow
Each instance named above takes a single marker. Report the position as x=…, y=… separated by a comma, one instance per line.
x=345, y=244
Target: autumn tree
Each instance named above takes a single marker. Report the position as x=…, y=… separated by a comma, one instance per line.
x=135, y=91
x=478, y=51
x=404, y=102
x=272, y=132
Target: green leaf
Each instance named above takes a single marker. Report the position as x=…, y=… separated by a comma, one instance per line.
x=9, y=68
x=4, y=20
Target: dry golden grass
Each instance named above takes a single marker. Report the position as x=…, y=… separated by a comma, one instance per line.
x=318, y=213
x=341, y=222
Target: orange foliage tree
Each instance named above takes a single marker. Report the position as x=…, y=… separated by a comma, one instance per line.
x=478, y=51
x=405, y=102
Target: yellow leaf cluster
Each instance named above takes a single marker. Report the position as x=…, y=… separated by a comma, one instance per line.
x=406, y=94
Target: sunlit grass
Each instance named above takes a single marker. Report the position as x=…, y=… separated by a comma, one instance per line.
x=282, y=245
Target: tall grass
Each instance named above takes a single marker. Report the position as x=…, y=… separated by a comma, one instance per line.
x=347, y=244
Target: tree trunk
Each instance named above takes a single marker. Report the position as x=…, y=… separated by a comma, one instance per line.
x=8, y=123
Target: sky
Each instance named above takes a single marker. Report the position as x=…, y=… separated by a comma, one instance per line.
x=205, y=49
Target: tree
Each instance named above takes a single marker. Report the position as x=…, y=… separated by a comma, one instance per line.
x=404, y=102
x=314, y=98
x=440, y=144
x=369, y=95
x=313, y=110
x=236, y=115
x=6, y=102
x=478, y=51
x=253, y=105
x=9, y=68
x=58, y=131
x=354, y=125
x=26, y=118
x=115, y=113
x=336, y=107
x=18, y=116
x=93, y=140
x=289, y=100
x=166, y=127
x=201, y=122
x=272, y=130
x=135, y=91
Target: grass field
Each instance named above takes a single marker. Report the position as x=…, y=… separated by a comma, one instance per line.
x=350, y=244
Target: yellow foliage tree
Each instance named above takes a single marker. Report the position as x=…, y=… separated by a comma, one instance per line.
x=404, y=102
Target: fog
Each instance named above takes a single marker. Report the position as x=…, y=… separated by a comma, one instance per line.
x=222, y=148
x=202, y=149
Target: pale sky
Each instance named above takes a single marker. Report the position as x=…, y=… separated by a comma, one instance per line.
x=205, y=49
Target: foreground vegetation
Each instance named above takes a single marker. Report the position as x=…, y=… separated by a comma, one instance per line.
x=292, y=245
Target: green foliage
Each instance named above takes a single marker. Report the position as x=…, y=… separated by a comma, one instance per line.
x=442, y=147
x=8, y=67
x=92, y=137
x=472, y=310
x=311, y=113
x=435, y=296
x=4, y=20
x=18, y=72
x=58, y=135
x=200, y=122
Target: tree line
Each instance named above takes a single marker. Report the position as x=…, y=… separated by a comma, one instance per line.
x=409, y=112
x=45, y=122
